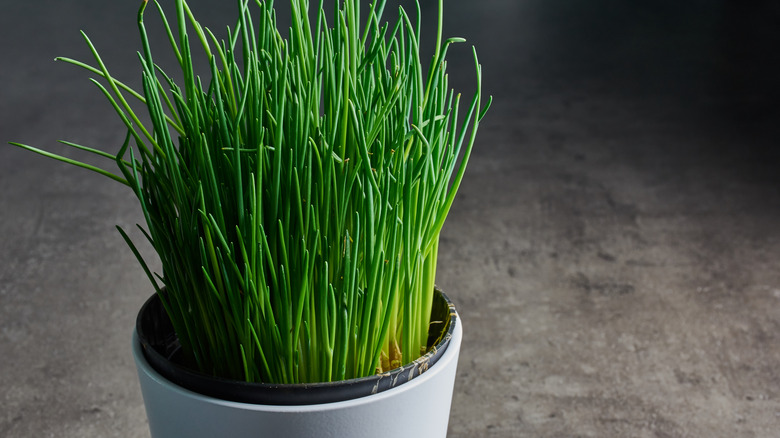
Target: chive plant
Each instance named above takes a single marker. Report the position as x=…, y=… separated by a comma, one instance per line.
x=296, y=197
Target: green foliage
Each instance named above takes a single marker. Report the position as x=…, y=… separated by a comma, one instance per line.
x=296, y=199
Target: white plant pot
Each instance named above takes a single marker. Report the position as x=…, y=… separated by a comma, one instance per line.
x=419, y=407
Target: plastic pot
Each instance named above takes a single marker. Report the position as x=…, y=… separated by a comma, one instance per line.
x=409, y=401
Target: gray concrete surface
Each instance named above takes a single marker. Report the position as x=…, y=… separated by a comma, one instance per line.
x=614, y=251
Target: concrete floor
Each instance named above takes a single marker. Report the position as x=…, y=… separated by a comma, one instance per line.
x=614, y=250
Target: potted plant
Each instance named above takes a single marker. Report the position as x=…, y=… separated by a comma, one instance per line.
x=295, y=194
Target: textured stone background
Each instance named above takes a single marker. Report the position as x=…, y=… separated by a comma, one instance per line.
x=613, y=252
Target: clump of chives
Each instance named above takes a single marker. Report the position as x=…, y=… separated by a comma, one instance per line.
x=296, y=197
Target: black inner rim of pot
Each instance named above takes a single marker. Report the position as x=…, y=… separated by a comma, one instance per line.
x=162, y=350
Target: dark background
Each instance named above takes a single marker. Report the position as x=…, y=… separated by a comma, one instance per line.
x=613, y=250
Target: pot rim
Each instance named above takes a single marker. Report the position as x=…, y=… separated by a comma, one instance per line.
x=148, y=375
x=296, y=394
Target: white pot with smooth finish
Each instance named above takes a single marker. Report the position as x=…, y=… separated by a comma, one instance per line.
x=419, y=407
